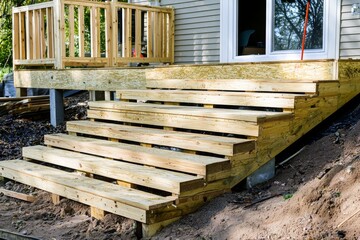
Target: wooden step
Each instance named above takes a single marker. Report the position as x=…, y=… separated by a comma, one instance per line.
x=197, y=142
x=250, y=99
x=169, y=181
x=242, y=122
x=230, y=114
x=290, y=86
x=209, y=167
x=110, y=197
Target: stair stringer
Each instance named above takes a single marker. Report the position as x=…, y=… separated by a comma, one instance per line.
x=274, y=137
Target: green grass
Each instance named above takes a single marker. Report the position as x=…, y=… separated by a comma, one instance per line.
x=3, y=72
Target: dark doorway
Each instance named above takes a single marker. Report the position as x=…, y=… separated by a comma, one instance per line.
x=251, y=27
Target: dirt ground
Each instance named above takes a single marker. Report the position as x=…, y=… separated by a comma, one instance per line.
x=315, y=195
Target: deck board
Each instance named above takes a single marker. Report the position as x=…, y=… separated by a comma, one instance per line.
x=287, y=86
x=132, y=173
x=198, y=142
x=107, y=196
x=229, y=114
x=201, y=165
x=253, y=99
x=178, y=121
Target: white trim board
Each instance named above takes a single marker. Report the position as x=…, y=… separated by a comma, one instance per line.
x=228, y=35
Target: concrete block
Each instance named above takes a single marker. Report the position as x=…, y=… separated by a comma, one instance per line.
x=56, y=107
x=263, y=174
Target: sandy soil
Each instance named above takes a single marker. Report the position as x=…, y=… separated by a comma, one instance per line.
x=313, y=196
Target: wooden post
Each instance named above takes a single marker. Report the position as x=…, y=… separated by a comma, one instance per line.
x=172, y=36
x=56, y=107
x=97, y=213
x=21, y=92
x=55, y=198
x=59, y=33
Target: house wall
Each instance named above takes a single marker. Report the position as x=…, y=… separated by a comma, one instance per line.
x=350, y=32
x=197, y=30
x=145, y=2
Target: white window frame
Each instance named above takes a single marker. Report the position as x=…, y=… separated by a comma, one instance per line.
x=228, y=35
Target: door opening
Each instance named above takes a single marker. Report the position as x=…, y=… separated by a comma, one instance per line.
x=251, y=27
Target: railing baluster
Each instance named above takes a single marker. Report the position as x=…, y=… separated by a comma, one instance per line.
x=138, y=32
x=71, y=31
x=98, y=32
x=81, y=26
x=114, y=49
x=29, y=35
x=36, y=34
x=172, y=36
x=150, y=32
x=108, y=35
x=95, y=31
x=42, y=34
x=22, y=36
x=164, y=35
x=50, y=32
x=158, y=39
x=128, y=38
x=16, y=40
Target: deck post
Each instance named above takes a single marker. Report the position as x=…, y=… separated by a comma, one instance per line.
x=56, y=107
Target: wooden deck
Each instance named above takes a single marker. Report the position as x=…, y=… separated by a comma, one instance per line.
x=162, y=152
x=83, y=33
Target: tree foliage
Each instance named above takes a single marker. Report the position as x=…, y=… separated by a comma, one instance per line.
x=6, y=28
x=289, y=24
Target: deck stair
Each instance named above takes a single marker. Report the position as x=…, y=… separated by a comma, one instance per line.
x=160, y=153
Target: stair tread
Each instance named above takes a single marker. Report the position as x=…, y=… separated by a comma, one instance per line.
x=245, y=128
x=162, y=158
x=230, y=114
x=128, y=196
x=132, y=173
x=235, y=85
x=193, y=141
x=256, y=99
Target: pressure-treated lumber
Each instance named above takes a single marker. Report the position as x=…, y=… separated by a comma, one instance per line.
x=113, y=198
x=253, y=99
x=230, y=114
x=235, y=85
x=179, y=121
x=17, y=195
x=184, y=140
x=82, y=79
x=307, y=70
x=201, y=165
x=173, y=182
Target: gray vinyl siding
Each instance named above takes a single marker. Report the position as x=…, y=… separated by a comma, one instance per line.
x=350, y=32
x=197, y=30
x=143, y=2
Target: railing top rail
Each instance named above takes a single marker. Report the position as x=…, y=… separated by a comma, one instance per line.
x=119, y=5
x=143, y=7
x=86, y=3
x=33, y=7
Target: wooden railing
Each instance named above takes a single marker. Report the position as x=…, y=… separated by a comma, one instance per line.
x=33, y=35
x=77, y=33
